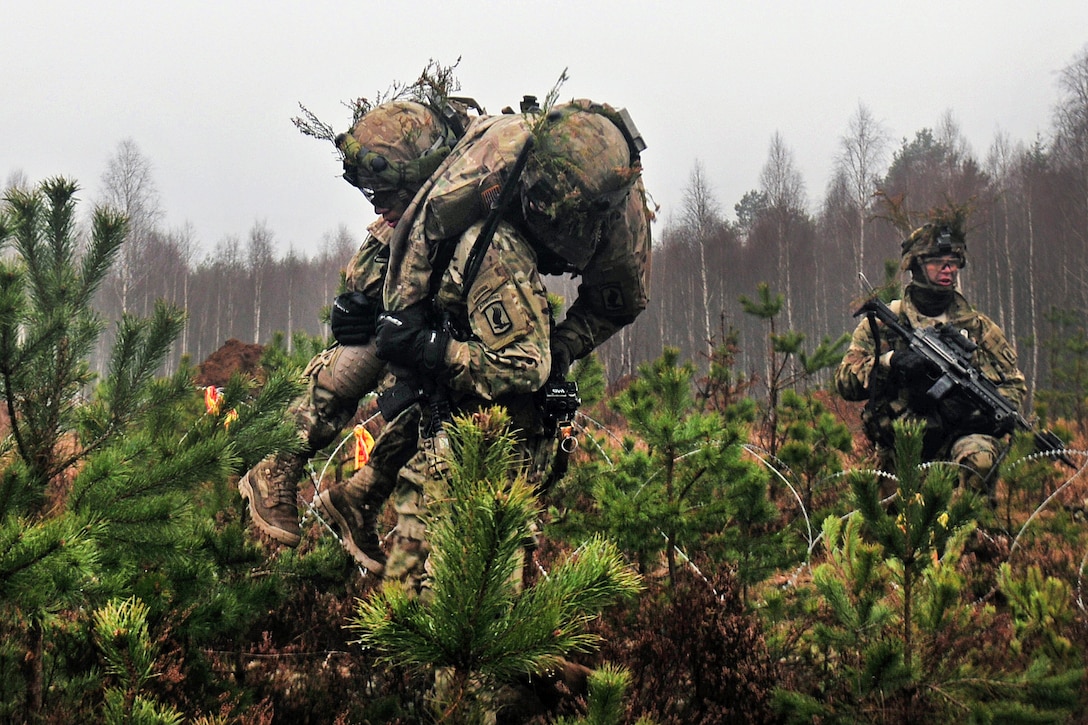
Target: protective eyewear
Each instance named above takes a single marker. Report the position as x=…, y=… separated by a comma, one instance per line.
x=939, y=263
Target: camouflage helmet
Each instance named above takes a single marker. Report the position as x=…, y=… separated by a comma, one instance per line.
x=935, y=239
x=395, y=146
x=581, y=169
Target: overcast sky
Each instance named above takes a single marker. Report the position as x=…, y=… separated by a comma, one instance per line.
x=206, y=89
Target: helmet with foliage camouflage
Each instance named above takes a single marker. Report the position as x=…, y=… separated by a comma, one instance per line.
x=582, y=167
x=941, y=237
x=395, y=146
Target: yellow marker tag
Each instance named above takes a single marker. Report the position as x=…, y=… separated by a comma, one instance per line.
x=363, y=443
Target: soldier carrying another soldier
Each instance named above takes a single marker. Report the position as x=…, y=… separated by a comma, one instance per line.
x=467, y=334
x=485, y=340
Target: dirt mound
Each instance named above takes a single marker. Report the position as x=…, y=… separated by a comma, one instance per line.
x=234, y=356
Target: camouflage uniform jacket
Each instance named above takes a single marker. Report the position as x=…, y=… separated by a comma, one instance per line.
x=860, y=377
x=366, y=270
x=615, y=282
x=501, y=327
x=504, y=338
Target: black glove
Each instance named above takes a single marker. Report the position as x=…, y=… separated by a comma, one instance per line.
x=955, y=412
x=964, y=417
x=353, y=318
x=406, y=337
x=398, y=397
x=562, y=357
x=909, y=368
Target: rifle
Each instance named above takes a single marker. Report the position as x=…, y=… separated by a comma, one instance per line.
x=949, y=353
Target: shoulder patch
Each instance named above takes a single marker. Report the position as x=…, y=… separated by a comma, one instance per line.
x=498, y=319
x=612, y=298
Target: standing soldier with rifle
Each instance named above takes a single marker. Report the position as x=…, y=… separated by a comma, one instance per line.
x=901, y=379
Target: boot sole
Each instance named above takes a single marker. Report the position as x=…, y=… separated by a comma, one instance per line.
x=287, y=538
x=326, y=508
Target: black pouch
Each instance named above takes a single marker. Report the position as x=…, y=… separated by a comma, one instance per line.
x=395, y=399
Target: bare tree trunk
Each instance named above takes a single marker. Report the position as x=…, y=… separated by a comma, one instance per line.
x=257, y=310
x=1033, y=381
x=705, y=290
x=290, y=317
x=218, y=315
x=185, y=304
x=1007, y=244
x=786, y=269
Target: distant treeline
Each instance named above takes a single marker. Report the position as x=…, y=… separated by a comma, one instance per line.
x=1026, y=246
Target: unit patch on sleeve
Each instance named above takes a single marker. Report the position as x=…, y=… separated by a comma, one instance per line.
x=612, y=297
x=498, y=318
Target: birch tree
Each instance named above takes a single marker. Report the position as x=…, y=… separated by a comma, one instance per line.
x=128, y=186
x=785, y=189
x=259, y=261
x=702, y=219
x=860, y=162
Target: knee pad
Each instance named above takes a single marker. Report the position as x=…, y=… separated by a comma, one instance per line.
x=348, y=372
x=339, y=377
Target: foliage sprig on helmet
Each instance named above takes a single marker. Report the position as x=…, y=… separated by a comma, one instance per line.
x=396, y=143
x=395, y=146
x=944, y=235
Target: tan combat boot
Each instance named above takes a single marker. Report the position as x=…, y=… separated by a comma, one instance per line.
x=271, y=488
x=354, y=507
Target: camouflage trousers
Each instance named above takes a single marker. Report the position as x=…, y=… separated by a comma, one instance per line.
x=423, y=481
x=338, y=377
x=975, y=455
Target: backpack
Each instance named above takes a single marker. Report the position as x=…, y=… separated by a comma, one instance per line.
x=579, y=173
x=582, y=165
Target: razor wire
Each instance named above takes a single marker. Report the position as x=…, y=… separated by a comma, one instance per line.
x=777, y=468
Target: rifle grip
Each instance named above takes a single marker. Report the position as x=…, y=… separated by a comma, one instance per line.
x=940, y=388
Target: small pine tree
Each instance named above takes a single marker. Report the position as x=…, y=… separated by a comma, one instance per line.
x=479, y=627
x=681, y=481
x=605, y=702
x=120, y=630
x=787, y=362
x=1065, y=348
x=895, y=632
x=813, y=444
x=97, y=481
x=723, y=388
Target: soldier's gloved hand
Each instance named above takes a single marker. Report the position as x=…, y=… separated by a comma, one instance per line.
x=562, y=357
x=1004, y=427
x=955, y=411
x=909, y=368
x=964, y=417
x=353, y=318
x=407, y=337
x=395, y=399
